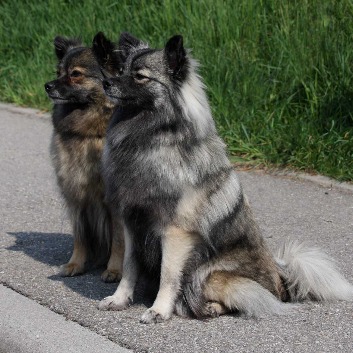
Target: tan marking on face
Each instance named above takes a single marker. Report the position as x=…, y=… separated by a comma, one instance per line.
x=76, y=74
x=145, y=76
x=144, y=72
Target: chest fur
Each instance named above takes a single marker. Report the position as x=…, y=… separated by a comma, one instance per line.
x=77, y=163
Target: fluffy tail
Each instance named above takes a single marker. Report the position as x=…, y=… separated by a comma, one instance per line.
x=311, y=274
x=219, y=292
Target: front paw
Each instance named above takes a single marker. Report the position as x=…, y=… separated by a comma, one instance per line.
x=153, y=316
x=71, y=269
x=114, y=303
x=109, y=276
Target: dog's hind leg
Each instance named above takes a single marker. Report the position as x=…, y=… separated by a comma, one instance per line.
x=114, y=269
x=215, y=309
x=227, y=292
x=177, y=245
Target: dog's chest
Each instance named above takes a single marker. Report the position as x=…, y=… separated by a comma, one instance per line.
x=150, y=169
x=77, y=163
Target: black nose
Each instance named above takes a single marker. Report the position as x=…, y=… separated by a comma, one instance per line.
x=107, y=83
x=49, y=86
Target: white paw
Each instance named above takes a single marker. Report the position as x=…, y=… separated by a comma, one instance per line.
x=153, y=316
x=114, y=303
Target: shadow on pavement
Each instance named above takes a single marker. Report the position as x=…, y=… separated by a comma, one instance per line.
x=54, y=249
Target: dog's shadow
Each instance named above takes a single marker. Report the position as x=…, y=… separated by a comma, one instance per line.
x=54, y=249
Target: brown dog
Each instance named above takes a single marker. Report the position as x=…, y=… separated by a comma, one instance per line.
x=80, y=117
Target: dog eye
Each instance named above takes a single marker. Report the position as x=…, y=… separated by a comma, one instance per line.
x=75, y=73
x=121, y=70
x=141, y=78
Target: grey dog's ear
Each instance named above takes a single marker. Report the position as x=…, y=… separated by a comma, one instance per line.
x=105, y=52
x=62, y=45
x=128, y=43
x=175, y=54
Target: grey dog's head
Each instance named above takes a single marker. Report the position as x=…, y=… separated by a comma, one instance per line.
x=148, y=76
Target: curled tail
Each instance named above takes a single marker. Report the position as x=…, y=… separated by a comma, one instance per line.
x=311, y=274
x=213, y=292
x=307, y=273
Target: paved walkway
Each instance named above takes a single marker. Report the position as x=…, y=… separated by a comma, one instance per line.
x=28, y=327
x=35, y=240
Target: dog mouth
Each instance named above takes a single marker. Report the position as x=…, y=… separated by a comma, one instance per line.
x=58, y=100
x=120, y=99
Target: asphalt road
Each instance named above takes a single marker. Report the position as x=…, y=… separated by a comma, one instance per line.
x=35, y=240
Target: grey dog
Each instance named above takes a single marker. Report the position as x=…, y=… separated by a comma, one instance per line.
x=186, y=219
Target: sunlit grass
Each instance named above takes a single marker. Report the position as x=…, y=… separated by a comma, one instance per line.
x=279, y=74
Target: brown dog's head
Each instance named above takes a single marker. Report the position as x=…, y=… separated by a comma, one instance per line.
x=79, y=76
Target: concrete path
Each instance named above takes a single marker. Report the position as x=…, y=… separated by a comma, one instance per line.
x=35, y=240
x=28, y=327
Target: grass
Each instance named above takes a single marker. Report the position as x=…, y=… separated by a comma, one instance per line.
x=279, y=73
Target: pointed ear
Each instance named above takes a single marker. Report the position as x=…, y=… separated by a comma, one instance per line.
x=62, y=45
x=175, y=54
x=104, y=51
x=128, y=43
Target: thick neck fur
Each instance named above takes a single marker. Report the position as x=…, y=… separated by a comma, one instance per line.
x=150, y=129
x=193, y=101
x=82, y=120
x=186, y=115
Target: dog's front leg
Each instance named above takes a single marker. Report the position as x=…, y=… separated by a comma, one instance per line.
x=76, y=264
x=177, y=245
x=114, y=269
x=123, y=296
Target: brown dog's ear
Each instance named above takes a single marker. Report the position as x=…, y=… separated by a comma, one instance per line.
x=62, y=45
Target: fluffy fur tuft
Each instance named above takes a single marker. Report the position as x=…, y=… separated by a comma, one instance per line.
x=252, y=300
x=193, y=100
x=312, y=274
